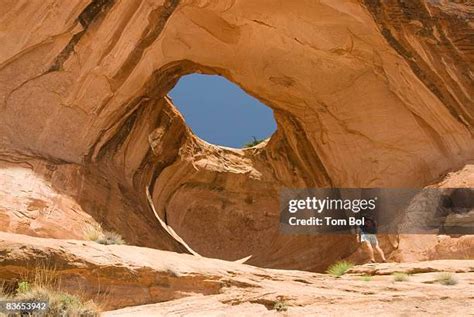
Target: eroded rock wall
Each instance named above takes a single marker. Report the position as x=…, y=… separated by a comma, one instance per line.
x=365, y=94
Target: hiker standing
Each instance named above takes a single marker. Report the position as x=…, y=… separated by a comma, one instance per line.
x=368, y=237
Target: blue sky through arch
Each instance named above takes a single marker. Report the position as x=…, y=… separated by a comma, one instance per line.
x=220, y=112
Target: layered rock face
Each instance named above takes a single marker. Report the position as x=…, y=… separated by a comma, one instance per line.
x=364, y=93
x=181, y=284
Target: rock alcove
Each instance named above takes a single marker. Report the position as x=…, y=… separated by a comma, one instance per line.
x=355, y=93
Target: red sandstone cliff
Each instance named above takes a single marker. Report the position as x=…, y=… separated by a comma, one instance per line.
x=365, y=94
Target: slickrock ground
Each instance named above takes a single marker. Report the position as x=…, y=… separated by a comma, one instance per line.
x=181, y=284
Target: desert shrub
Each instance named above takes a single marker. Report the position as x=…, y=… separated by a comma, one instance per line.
x=339, y=268
x=3, y=296
x=93, y=232
x=366, y=278
x=400, y=277
x=446, y=278
x=23, y=287
x=280, y=306
x=254, y=142
x=59, y=303
x=97, y=234
x=43, y=285
x=110, y=237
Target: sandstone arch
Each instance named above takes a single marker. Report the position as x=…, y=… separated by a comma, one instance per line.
x=357, y=105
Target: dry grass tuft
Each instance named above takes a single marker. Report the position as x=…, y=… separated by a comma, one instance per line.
x=93, y=232
x=99, y=235
x=339, y=268
x=446, y=278
x=400, y=277
x=110, y=237
x=44, y=285
x=366, y=278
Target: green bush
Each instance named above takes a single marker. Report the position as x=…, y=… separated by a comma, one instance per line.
x=23, y=287
x=59, y=303
x=446, y=278
x=400, y=277
x=254, y=142
x=43, y=286
x=339, y=268
x=366, y=278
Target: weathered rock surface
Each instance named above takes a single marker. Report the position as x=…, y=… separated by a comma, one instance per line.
x=427, y=246
x=365, y=94
x=28, y=205
x=181, y=284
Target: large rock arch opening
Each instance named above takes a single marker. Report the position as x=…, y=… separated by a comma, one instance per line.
x=221, y=113
x=84, y=87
